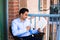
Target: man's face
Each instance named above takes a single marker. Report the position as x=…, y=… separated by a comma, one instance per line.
x=24, y=16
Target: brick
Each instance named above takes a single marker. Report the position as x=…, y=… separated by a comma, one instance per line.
x=13, y=3
x=15, y=9
x=16, y=0
x=10, y=8
x=10, y=2
x=13, y=12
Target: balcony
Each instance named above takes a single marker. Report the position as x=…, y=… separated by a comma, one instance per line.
x=52, y=28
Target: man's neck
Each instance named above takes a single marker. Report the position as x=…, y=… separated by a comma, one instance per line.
x=21, y=19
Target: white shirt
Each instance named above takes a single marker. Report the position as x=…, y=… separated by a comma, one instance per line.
x=19, y=28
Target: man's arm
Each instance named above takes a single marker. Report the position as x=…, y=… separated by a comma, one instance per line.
x=16, y=31
x=34, y=31
x=31, y=30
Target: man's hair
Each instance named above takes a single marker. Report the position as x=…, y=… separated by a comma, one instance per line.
x=23, y=10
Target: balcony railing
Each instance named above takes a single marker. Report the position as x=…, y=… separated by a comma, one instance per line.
x=52, y=32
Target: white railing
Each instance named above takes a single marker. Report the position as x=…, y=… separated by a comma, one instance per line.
x=52, y=19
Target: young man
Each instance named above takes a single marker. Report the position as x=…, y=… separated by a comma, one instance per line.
x=21, y=26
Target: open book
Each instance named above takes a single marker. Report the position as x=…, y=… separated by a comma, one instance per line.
x=42, y=23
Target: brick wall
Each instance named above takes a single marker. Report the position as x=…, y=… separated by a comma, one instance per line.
x=13, y=8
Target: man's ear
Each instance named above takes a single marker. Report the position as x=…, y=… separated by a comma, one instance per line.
x=21, y=14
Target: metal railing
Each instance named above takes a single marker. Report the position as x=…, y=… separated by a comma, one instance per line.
x=55, y=25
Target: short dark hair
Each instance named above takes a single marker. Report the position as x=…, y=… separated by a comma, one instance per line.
x=23, y=10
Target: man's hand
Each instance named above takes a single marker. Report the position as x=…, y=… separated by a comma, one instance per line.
x=38, y=29
x=28, y=27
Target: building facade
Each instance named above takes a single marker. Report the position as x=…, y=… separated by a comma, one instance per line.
x=34, y=6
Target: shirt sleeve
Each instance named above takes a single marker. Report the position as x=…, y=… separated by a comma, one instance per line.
x=16, y=31
x=34, y=31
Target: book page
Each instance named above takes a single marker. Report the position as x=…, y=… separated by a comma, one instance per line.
x=42, y=23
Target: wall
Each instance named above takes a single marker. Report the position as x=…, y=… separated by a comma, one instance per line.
x=13, y=7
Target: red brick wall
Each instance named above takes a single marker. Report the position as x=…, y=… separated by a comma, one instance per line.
x=13, y=7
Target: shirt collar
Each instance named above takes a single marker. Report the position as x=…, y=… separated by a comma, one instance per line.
x=21, y=21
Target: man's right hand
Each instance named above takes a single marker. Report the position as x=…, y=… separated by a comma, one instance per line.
x=28, y=27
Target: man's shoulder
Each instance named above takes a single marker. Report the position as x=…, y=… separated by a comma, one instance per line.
x=15, y=20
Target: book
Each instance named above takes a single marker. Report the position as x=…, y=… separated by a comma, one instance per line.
x=42, y=23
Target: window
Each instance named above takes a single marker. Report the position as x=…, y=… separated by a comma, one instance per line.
x=53, y=9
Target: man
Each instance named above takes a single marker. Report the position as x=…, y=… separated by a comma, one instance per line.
x=21, y=26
